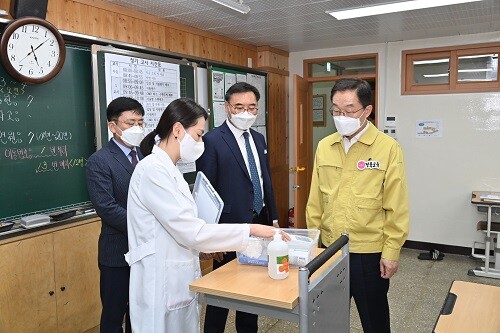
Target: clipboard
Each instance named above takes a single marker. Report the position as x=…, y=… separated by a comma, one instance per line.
x=207, y=199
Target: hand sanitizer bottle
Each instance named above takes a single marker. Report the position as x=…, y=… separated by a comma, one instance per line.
x=277, y=251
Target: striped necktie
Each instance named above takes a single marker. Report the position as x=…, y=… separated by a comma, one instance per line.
x=133, y=154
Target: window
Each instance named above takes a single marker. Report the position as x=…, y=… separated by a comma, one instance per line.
x=342, y=67
x=322, y=73
x=460, y=69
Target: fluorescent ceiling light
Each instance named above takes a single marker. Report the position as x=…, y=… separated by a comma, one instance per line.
x=236, y=5
x=479, y=56
x=427, y=62
x=391, y=8
x=483, y=80
x=435, y=75
x=461, y=71
x=475, y=70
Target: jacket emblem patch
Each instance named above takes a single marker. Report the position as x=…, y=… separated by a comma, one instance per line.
x=362, y=165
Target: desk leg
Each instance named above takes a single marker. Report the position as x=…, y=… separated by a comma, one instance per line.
x=486, y=271
x=487, y=243
x=497, y=255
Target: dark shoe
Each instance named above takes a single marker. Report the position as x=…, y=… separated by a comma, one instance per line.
x=431, y=255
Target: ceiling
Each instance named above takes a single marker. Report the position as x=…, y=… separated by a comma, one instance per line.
x=299, y=25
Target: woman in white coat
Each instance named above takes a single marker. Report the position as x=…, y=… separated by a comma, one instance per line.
x=165, y=236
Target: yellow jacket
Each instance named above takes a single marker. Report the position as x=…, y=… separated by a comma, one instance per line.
x=363, y=193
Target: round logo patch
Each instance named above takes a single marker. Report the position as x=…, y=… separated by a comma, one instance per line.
x=362, y=165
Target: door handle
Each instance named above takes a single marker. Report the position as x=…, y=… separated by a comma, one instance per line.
x=295, y=187
x=297, y=169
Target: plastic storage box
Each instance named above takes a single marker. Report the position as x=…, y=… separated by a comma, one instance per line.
x=300, y=248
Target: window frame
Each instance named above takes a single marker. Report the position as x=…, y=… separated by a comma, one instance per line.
x=307, y=63
x=453, y=86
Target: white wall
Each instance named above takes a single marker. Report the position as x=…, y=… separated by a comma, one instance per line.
x=442, y=172
x=320, y=132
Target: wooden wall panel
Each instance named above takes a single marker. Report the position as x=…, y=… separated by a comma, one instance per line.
x=106, y=20
x=278, y=142
x=270, y=57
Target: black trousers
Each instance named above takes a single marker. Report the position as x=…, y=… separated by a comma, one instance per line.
x=369, y=291
x=215, y=317
x=114, y=298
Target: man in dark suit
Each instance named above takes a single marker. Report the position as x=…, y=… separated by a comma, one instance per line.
x=236, y=163
x=108, y=176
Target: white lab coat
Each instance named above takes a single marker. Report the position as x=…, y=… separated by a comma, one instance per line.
x=165, y=237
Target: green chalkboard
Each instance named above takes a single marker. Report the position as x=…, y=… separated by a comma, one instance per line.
x=46, y=136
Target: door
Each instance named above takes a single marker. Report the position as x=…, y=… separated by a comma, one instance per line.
x=27, y=293
x=302, y=148
x=77, y=278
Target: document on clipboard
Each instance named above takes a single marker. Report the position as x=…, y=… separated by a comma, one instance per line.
x=207, y=199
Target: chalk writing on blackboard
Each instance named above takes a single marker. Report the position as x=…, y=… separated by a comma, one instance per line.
x=20, y=143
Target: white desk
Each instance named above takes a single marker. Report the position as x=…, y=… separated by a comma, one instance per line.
x=487, y=271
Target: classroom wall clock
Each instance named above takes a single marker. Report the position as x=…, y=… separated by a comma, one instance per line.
x=32, y=50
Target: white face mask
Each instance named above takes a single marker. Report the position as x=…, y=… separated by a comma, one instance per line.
x=347, y=126
x=191, y=149
x=133, y=136
x=243, y=120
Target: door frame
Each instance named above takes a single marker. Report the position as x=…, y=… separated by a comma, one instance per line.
x=307, y=63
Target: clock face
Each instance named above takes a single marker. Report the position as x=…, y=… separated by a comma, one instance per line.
x=33, y=50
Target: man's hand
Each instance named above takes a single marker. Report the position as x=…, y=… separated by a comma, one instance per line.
x=388, y=268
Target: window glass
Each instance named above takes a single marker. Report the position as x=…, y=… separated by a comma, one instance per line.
x=431, y=71
x=455, y=69
x=478, y=68
x=343, y=67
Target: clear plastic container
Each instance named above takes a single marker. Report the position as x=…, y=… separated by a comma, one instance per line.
x=300, y=249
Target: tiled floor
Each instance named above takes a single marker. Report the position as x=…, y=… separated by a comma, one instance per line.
x=416, y=294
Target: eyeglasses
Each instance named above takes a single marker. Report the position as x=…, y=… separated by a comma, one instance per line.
x=337, y=112
x=140, y=123
x=240, y=108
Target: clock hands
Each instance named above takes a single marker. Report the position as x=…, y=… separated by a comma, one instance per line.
x=33, y=51
x=27, y=54
x=36, y=48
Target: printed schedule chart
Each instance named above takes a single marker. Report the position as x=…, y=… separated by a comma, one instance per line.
x=153, y=83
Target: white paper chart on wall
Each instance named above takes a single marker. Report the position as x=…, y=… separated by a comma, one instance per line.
x=223, y=78
x=153, y=80
x=153, y=83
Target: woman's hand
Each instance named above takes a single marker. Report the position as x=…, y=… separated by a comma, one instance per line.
x=265, y=231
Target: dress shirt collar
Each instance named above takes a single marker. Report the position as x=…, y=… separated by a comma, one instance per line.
x=126, y=150
x=348, y=143
x=236, y=131
x=355, y=138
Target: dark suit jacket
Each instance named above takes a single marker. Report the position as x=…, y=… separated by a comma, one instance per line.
x=223, y=164
x=108, y=177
